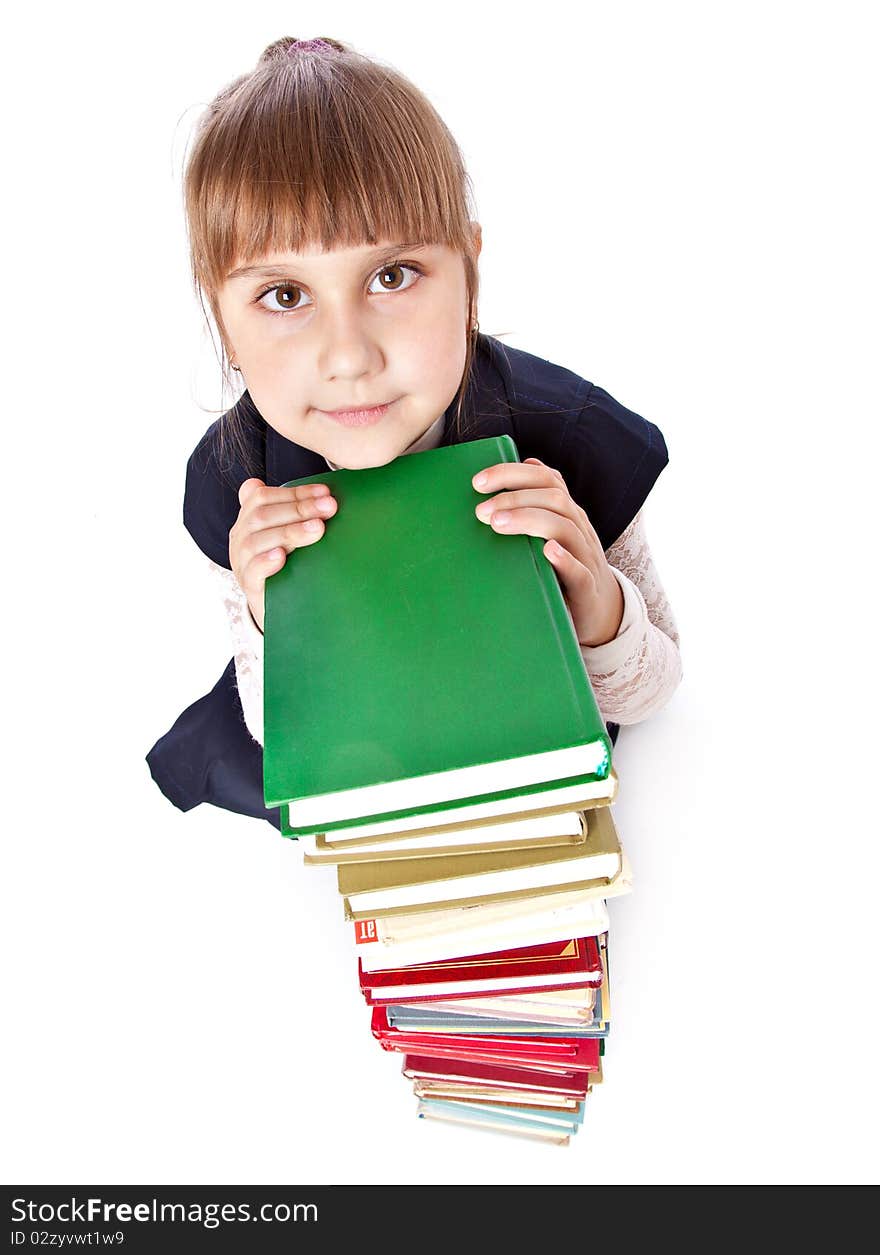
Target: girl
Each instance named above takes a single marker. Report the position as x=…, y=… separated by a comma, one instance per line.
x=331, y=232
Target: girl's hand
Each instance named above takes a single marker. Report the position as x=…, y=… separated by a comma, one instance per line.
x=271, y=523
x=538, y=504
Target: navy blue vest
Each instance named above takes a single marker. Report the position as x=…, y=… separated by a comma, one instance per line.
x=608, y=456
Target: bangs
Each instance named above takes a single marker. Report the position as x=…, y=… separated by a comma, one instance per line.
x=362, y=159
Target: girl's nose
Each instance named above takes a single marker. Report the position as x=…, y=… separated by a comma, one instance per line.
x=348, y=347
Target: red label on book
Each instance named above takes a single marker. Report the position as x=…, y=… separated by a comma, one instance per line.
x=365, y=930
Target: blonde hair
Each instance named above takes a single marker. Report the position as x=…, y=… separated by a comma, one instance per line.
x=319, y=145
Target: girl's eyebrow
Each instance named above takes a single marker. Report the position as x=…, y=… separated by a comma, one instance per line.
x=284, y=271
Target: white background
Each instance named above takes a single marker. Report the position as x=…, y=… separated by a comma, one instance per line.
x=678, y=203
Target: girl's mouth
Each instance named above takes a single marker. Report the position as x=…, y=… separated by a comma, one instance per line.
x=358, y=418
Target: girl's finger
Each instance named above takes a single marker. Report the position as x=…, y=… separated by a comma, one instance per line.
x=577, y=580
x=274, y=558
x=548, y=498
x=290, y=537
x=247, y=490
x=546, y=525
x=528, y=474
x=558, y=499
x=538, y=462
x=255, y=492
x=563, y=559
x=291, y=510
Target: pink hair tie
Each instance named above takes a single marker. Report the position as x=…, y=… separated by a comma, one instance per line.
x=310, y=45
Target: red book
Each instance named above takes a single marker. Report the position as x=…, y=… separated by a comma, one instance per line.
x=579, y=1053
x=567, y=964
x=571, y=1084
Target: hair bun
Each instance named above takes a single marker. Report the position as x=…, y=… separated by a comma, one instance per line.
x=288, y=46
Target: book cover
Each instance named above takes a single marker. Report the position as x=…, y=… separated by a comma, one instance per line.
x=573, y=961
x=376, y=886
x=378, y=638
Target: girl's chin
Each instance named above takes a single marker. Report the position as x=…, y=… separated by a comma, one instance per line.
x=374, y=448
x=352, y=462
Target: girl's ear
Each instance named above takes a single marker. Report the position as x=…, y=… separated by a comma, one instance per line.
x=478, y=236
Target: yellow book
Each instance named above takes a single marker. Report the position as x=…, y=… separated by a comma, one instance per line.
x=416, y=883
x=565, y=828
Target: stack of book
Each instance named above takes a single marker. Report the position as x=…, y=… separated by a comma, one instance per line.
x=430, y=732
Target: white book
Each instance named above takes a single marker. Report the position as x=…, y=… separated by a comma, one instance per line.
x=545, y=801
x=485, y=929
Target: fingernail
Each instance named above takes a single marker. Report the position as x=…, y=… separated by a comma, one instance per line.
x=324, y=504
x=501, y=517
x=481, y=480
x=313, y=525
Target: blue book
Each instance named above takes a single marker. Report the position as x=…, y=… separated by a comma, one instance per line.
x=550, y=1125
x=415, y=1019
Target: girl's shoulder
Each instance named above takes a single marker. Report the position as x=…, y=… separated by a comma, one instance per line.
x=609, y=455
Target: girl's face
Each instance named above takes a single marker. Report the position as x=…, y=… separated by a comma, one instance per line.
x=323, y=338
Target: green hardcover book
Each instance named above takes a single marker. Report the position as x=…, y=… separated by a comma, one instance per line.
x=415, y=660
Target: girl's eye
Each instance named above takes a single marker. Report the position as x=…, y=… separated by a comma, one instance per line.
x=393, y=277
x=289, y=298
x=287, y=295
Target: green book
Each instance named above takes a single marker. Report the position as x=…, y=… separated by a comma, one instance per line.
x=415, y=660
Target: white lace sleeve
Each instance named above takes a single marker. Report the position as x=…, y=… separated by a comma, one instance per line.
x=247, y=644
x=637, y=672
